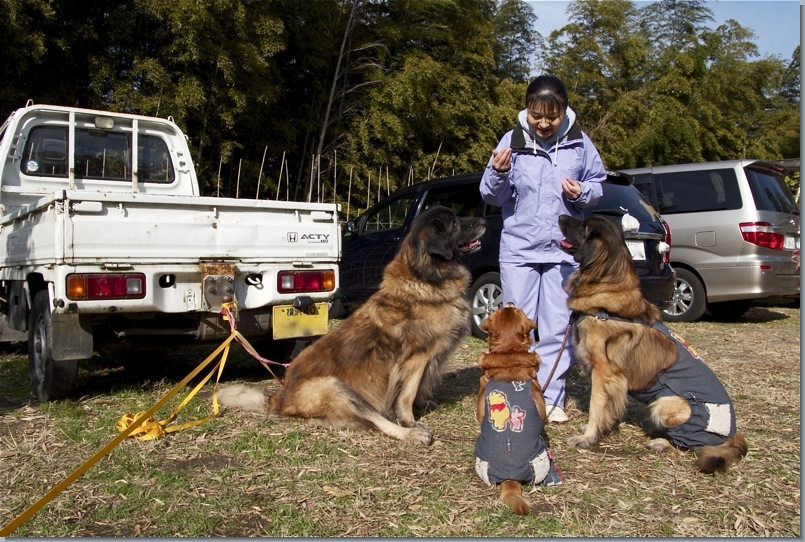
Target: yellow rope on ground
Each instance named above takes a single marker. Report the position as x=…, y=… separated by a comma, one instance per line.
x=142, y=425
x=150, y=429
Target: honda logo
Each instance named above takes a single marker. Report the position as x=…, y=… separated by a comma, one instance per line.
x=293, y=237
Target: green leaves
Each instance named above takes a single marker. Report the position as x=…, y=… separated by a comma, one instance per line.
x=336, y=93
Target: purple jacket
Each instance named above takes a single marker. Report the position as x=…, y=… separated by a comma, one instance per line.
x=530, y=193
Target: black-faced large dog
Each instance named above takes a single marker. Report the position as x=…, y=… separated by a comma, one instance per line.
x=371, y=369
x=622, y=343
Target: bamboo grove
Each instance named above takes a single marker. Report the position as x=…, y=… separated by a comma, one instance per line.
x=346, y=100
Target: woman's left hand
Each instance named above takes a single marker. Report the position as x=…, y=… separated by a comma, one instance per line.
x=571, y=188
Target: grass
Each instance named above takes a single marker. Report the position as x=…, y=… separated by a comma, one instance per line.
x=247, y=475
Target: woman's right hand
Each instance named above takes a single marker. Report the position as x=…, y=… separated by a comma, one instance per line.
x=502, y=160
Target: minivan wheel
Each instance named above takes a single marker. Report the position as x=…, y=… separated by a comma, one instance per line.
x=729, y=310
x=486, y=296
x=689, y=300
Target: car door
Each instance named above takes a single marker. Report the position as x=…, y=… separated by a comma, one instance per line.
x=367, y=251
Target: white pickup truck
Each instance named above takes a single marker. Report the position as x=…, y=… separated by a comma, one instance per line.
x=107, y=239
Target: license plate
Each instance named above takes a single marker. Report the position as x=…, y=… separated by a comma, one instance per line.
x=790, y=242
x=290, y=322
x=637, y=249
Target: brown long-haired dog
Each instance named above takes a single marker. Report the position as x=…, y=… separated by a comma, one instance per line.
x=510, y=409
x=389, y=354
x=621, y=342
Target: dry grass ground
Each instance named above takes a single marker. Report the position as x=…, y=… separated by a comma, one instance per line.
x=244, y=475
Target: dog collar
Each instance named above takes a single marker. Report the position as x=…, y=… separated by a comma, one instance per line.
x=601, y=314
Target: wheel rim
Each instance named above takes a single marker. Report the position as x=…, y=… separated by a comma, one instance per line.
x=486, y=301
x=682, y=300
x=39, y=349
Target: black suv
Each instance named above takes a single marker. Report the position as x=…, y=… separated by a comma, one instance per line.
x=372, y=240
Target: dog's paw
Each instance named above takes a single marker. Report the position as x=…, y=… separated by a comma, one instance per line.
x=420, y=433
x=659, y=445
x=581, y=441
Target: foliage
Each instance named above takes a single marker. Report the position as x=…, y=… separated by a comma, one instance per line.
x=330, y=99
x=656, y=86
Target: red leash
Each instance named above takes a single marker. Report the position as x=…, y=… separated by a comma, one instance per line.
x=249, y=348
x=559, y=355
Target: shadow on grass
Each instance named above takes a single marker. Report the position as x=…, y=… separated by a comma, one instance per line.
x=459, y=384
x=111, y=372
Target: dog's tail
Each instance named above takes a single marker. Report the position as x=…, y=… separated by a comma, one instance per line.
x=719, y=458
x=511, y=493
x=244, y=397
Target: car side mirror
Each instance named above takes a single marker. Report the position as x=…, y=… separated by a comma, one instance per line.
x=351, y=227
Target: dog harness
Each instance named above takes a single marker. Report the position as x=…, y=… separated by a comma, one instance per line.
x=510, y=446
x=712, y=418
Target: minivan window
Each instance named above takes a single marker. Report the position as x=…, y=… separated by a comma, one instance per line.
x=696, y=191
x=642, y=181
x=770, y=191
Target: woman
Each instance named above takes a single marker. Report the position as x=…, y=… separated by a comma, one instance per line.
x=543, y=168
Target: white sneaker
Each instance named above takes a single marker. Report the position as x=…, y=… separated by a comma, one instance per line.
x=556, y=414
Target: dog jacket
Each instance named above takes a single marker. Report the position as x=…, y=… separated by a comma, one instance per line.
x=510, y=446
x=712, y=418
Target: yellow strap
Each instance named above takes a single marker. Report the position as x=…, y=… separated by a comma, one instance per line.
x=139, y=419
x=151, y=429
x=142, y=425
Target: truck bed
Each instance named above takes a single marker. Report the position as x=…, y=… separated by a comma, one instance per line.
x=123, y=228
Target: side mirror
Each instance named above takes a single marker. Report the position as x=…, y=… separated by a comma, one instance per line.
x=351, y=227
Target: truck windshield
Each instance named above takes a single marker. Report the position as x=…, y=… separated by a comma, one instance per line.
x=98, y=155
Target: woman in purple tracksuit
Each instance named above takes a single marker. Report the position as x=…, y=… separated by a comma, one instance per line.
x=543, y=168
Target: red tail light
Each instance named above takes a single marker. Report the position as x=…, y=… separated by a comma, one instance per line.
x=89, y=286
x=762, y=234
x=293, y=282
x=666, y=258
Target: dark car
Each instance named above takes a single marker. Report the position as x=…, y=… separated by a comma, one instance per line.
x=372, y=240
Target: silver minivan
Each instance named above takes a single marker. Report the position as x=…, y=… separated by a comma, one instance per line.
x=734, y=233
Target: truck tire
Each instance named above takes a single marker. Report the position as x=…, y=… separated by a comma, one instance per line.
x=690, y=298
x=49, y=380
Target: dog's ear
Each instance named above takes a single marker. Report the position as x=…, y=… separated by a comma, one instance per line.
x=441, y=234
x=590, y=231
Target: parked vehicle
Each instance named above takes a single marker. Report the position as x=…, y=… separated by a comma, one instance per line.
x=107, y=241
x=371, y=240
x=736, y=229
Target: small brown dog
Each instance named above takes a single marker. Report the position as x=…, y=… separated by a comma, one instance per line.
x=511, y=450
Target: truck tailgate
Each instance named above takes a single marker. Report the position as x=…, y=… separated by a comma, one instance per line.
x=143, y=228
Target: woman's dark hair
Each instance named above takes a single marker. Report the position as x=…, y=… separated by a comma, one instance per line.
x=548, y=90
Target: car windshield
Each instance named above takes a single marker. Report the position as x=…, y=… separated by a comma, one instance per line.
x=770, y=191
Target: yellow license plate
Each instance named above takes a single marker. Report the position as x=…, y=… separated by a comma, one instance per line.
x=290, y=322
